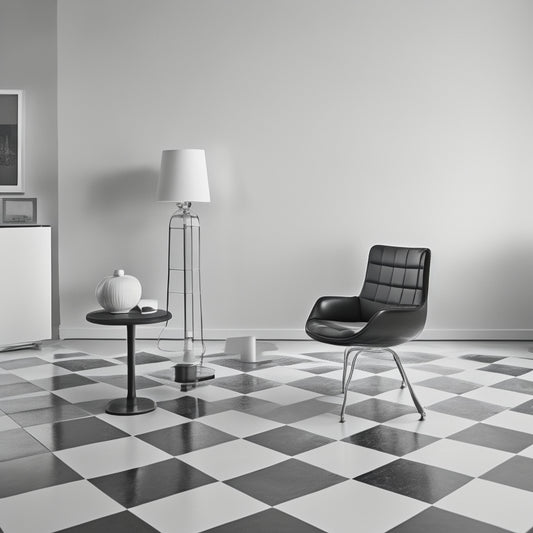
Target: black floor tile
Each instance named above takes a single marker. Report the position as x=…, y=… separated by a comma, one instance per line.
x=152, y=482
x=437, y=520
x=22, y=362
x=284, y=481
x=467, y=408
x=269, y=521
x=295, y=412
x=16, y=405
x=245, y=404
x=378, y=410
x=9, y=379
x=16, y=443
x=244, y=383
x=336, y=357
x=78, y=432
x=438, y=369
x=448, y=384
x=48, y=415
x=32, y=473
x=390, y=440
x=59, y=356
x=63, y=382
x=191, y=407
x=124, y=522
x=515, y=385
x=289, y=440
x=516, y=472
x=95, y=407
x=322, y=369
x=369, y=364
x=373, y=385
x=17, y=389
x=185, y=438
x=409, y=358
x=77, y=365
x=483, y=358
x=526, y=408
x=143, y=358
x=415, y=480
x=319, y=384
x=141, y=382
x=506, y=369
x=507, y=440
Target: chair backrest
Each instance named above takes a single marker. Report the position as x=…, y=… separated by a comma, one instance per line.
x=395, y=277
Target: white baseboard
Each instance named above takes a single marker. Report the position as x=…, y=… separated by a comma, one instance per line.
x=152, y=332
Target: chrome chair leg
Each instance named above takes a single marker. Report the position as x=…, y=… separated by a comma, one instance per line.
x=418, y=406
x=347, y=353
x=347, y=383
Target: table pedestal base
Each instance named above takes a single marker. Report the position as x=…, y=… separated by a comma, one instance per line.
x=130, y=406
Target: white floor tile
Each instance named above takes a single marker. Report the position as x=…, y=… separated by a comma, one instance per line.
x=329, y=426
x=239, y=424
x=511, y=420
x=7, y=423
x=455, y=362
x=353, y=506
x=346, y=459
x=220, y=371
x=490, y=502
x=426, y=395
x=498, y=396
x=281, y=374
x=461, y=457
x=41, y=371
x=198, y=509
x=481, y=377
x=53, y=508
x=435, y=424
x=161, y=393
x=232, y=459
x=134, y=425
x=212, y=393
x=86, y=393
x=414, y=375
x=523, y=362
x=113, y=456
x=284, y=395
x=353, y=397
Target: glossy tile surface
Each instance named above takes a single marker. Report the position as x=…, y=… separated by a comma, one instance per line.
x=261, y=447
x=284, y=481
x=147, y=483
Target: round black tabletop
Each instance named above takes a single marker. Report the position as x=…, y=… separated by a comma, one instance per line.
x=126, y=319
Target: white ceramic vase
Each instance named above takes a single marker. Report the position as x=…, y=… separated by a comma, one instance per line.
x=118, y=293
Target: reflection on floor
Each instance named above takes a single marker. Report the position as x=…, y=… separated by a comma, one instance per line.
x=261, y=449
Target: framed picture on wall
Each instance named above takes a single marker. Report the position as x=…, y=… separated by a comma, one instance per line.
x=11, y=141
x=19, y=210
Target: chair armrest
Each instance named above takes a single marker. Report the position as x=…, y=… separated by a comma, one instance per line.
x=341, y=308
x=390, y=327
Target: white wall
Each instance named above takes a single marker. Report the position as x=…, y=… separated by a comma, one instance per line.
x=28, y=61
x=329, y=126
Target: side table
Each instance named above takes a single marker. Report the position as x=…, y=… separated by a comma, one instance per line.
x=131, y=405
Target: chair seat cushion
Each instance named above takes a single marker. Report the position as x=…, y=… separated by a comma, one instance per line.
x=334, y=329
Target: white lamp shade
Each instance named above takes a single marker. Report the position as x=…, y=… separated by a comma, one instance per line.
x=183, y=176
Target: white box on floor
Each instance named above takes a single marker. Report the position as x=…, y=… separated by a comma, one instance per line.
x=243, y=346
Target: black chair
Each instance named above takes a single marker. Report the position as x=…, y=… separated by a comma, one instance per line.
x=390, y=310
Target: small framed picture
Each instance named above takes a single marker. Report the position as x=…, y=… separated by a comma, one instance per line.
x=11, y=141
x=19, y=210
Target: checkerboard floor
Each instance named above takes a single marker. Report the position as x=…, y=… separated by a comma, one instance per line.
x=261, y=448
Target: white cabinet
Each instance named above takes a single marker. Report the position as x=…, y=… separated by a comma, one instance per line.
x=25, y=284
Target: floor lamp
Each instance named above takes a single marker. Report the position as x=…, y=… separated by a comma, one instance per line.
x=183, y=180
